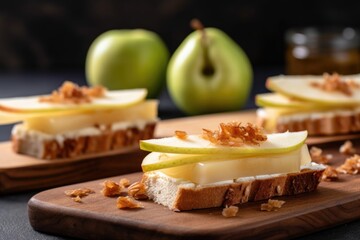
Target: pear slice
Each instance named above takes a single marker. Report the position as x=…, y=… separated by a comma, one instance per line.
x=112, y=99
x=195, y=144
x=209, y=172
x=136, y=114
x=300, y=87
x=278, y=100
x=155, y=160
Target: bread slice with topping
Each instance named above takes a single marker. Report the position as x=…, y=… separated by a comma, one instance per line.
x=322, y=105
x=76, y=121
x=233, y=165
x=180, y=195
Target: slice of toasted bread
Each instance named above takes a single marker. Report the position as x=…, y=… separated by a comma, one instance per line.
x=316, y=123
x=180, y=195
x=92, y=140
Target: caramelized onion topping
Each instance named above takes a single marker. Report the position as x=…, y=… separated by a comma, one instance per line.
x=334, y=83
x=235, y=134
x=70, y=92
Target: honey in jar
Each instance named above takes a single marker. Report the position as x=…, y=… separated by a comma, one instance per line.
x=318, y=50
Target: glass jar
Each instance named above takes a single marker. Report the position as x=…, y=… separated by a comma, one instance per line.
x=317, y=50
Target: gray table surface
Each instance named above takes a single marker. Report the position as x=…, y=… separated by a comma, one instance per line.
x=14, y=223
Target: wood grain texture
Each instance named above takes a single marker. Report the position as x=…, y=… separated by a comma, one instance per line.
x=20, y=172
x=98, y=218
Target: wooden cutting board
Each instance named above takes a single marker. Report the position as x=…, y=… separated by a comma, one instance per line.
x=20, y=172
x=97, y=217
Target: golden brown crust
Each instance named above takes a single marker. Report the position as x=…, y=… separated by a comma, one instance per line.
x=337, y=124
x=82, y=145
x=188, y=198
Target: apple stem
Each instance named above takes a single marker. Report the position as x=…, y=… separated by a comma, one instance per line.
x=208, y=68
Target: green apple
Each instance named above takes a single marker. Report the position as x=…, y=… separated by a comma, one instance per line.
x=128, y=58
x=301, y=87
x=209, y=72
x=195, y=144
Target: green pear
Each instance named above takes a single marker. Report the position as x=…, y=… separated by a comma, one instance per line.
x=208, y=73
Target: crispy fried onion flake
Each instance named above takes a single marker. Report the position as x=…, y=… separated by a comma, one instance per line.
x=334, y=83
x=70, y=92
x=235, y=134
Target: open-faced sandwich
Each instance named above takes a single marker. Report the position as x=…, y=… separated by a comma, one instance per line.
x=75, y=121
x=235, y=164
x=322, y=105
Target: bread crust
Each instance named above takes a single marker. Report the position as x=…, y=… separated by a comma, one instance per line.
x=29, y=142
x=188, y=197
x=327, y=125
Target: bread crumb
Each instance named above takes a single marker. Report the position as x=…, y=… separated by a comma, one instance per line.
x=347, y=148
x=330, y=174
x=124, y=183
x=230, y=211
x=78, y=194
x=137, y=190
x=127, y=202
x=111, y=189
x=235, y=134
x=77, y=199
x=181, y=134
x=350, y=166
x=272, y=205
x=318, y=157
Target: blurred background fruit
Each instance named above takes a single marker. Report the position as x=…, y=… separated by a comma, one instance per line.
x=209, y=72
x=125, y=59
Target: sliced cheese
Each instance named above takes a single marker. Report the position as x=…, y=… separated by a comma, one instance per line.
x=146, y=110
x=216, y=171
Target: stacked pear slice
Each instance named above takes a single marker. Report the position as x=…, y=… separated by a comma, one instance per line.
x=22, y=108
x=197, y=160
x=298, y=92
x=295, y=95
x=121, y=106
